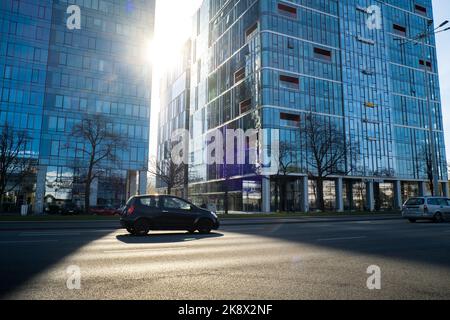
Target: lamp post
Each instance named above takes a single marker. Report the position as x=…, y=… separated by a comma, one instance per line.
x=423, y=36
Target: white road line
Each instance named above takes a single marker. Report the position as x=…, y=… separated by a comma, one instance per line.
x=27, y=241
x=346, y=238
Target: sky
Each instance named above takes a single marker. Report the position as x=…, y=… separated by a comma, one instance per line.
x=173, y=27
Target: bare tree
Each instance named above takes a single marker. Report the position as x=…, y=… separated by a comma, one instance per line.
x=327, y=151
x=99, y=145
x=15, y=166
x=286, y=166
x=171, y=174
x=426, y=165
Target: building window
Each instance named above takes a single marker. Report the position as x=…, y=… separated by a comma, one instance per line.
x=289, y=82
x=250, y=32
x=290, y=43
x=427, y=63
x=322, y=54
x=399, y=30
x=289, y=120
x=286, y=10
x=239, y=75
x=420, y=10
x=245, y=105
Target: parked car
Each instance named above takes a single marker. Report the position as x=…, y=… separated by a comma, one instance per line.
x=105, y=210
x=427, y=208
x=151, y=212
x=68, y=208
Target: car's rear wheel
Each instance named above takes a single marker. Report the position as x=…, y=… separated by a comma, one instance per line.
x=412, y=220
x=204, y=226
x=140, y=228
x=438, y=218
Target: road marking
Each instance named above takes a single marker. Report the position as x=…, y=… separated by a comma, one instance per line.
x=27, y=241
x=346, y=238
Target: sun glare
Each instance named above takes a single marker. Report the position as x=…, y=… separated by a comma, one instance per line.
x=173, y=28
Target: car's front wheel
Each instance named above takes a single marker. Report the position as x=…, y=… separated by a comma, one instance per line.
x=438, y=218
x=204, y=226
x=140, y=228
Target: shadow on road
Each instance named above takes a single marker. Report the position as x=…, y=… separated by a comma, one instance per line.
x=25, y=254
x=166, y=237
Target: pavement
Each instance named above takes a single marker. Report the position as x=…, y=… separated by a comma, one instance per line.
x=324, y=259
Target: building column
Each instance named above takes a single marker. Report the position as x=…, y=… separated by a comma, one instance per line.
x=142, y=182
x=40, y=190
x=93, y=197
x=339, y=195
x=349, y=191
x=304, y=194
x=398, y=203
x=445, y=189
x=265, y=194
x=370, y=196
x=421, y=188
x=131, y=184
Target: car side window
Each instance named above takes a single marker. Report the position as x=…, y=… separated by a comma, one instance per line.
x=433, y=202
x=443, y=202
x=151, y=202
x=175, y=203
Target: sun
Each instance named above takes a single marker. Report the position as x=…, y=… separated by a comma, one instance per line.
x=172, y=30
x=163, y=54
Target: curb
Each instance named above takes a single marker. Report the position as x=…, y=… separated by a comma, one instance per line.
x=44, y=225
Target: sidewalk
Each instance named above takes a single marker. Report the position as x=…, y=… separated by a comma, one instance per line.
x=114, y=224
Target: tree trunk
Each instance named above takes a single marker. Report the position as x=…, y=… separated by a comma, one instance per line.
x=169, y=190
x=277, y=194
x=283, y=194
x=87, y=196
x=320, y=198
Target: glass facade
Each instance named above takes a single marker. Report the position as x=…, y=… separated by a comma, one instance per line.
x=268, y=64
x=52, y=75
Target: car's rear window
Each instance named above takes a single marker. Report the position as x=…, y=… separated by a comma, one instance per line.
x=415, y=202
x=151, y=202
x=437, y=201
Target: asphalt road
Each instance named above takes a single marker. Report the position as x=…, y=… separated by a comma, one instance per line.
x=322, y=260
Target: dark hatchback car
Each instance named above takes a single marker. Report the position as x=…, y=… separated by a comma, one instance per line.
x=145, y=213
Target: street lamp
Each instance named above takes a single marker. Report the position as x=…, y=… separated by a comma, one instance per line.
x=422, y=37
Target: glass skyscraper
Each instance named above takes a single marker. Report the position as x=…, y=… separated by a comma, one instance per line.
x=269, y=64
x=51, y=75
